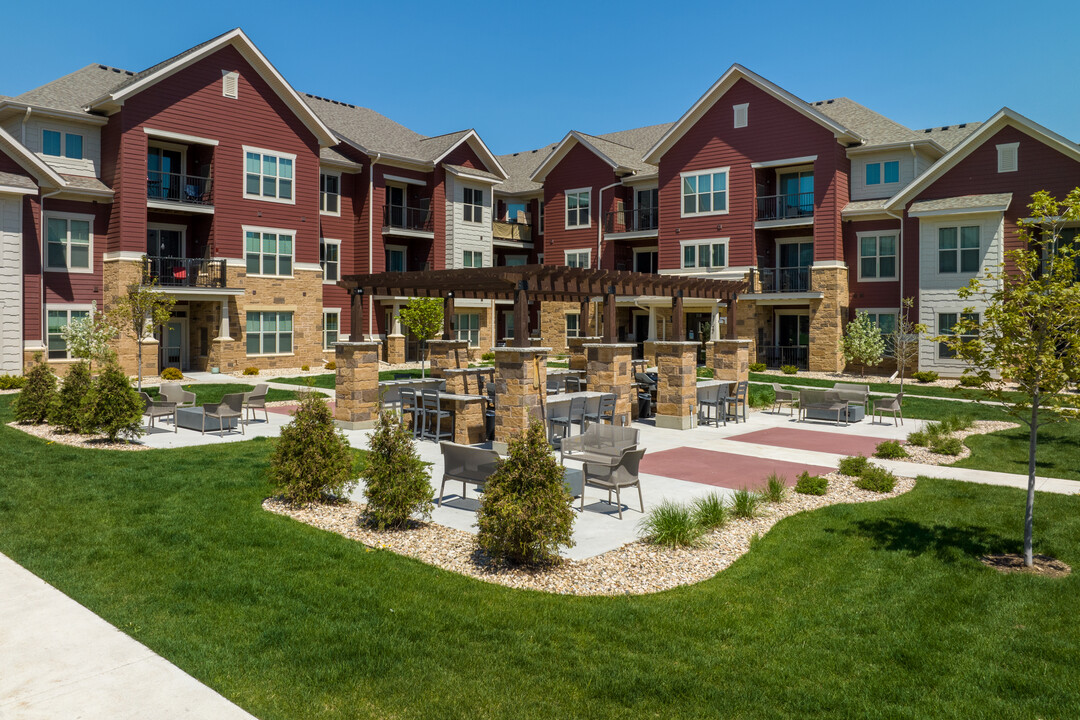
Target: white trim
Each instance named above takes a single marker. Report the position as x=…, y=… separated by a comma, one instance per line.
x=179, y=137
x=337, y=243
x=328, y=311
x=333, y=173
x=877, y=234
x=306, y=266
x=46, y=215
x=560, y=151
x=166, y=205
x=709, y=171
x=404, y=180
x=245, y=149
x=88, y=307
x=118, y=255
x=566, y=209
x=63, y=143
x=588, y=255
x=827, y=263
x=245, y=229
x=11, y=190
x=473, y=178
x=804, y=160
x=740, y=115
x=277, y=333
x=403, y=249
x=469, y=136
x=29, y=161
x=708, y=242
x=882, y=183
x=650, y=250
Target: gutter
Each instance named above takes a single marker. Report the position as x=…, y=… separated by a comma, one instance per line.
x=26, y=119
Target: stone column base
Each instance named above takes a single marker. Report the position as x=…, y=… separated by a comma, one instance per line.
x=520, y=385
x=576, y=348
x=610, y=371
x=447, y=354
x=357, y=387
x=395, y=349
x=676, y=393
x=730, y=359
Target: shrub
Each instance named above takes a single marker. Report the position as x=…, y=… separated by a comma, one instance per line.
x=854, y=466
x=398, y=483
x=761, y=396
x=890, y=450
x=304, y=368
x=671, y=524
x=67, y=412
x=112, y=407
x=925, y=376
x=12, y=382
x=488, y=357
x=811, y=484
x=746, y=504
x=330, y=366
x=37, y=396
x=919, y=438
x=710, y=512
x=876, y=479
x=311, y=460
x=525, y=514
x=970, y=381
x=946, y=446
x=955, y=423
x=171, y=373
x=775, y=488
x=757, y=367
x=789, y=369
x=935, y=430
x=251, y=371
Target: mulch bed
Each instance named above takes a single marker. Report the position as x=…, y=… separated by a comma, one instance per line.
x=1044, y=565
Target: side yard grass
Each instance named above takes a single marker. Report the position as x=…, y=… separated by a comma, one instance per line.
x=213, y=392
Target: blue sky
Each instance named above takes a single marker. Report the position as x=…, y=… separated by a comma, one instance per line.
x=523, y=74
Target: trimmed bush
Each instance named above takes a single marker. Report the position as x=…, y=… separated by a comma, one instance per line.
x=171, y=373
x=710, y=512
x=811, y=484
x=311, y=460
x=488, y=357
x=112, y=407
x=249, y=371
x=970, y=381
x=890, y=450
x=525, y=513
x=789, y=369
x=854, y=466
x=775, y=488
x=398, y=483
x=746, y=504
x=38, y=394
x=304, y=368
x=12, y=382
x=919, y=438
x=671, y=524
x=876, y=479
x=955, y=423
x=925, y=376
x=758, y=367
x=330, y=366
x=67, y=412
x=946, y=446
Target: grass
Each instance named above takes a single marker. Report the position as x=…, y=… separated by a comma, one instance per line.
x=672, y=524
x=775, y=488
x=328, y=381
x=1058, y=453
x=213, y=392
x=746, y=503
x=911, y=387
x=289, y=621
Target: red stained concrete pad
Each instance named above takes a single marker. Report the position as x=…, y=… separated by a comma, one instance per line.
x=850, y=443
x=720, y=469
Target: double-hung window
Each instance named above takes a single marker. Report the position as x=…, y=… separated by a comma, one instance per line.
x=577, y=208
x=883, y=172
x=472, y=258
x=268, y=175
x=573, y=324
x=877, y=257
x=269, y=333
x=62, y=144
x=473, y=204
x=577, y=258
x=946, y=325
x=704, y=254
x=330, y=259
x=57, y=320
x=268, y=252
x=69, y=242
x=331, y=322
x=467, y=328
x=705, y=192
x=886, y=324
x=958, y=249
x=330, y=194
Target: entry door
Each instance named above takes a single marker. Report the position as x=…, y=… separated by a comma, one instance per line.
x=793, y=265
x=174, y=345
x=395, y=200
x=793, y=330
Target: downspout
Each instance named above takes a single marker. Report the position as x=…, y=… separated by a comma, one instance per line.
x=371, y=241
x=26, y=119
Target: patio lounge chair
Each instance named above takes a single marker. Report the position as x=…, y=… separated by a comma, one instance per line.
x=600, y=443
x=615, y=477
x=890, y=404
x=158, y=408
x=467, y=465
x=172, y=392
x=231, y=406
x=785, y=397
x=256, y=400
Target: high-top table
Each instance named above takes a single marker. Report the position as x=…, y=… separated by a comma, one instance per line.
x=468, y=412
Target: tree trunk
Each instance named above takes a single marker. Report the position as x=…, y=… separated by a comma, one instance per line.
x=423, y=358
x=139, y=343
x=1029, y=512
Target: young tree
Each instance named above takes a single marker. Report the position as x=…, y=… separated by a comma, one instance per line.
x=88, y=337
x=1029, y=332
x=67, y=412
x=905, y=340
x=397, y=481
x=137, y=312
x=112, y=407
x=37, y=396
x=862, y=342
x=312, y=459
x=423, y=316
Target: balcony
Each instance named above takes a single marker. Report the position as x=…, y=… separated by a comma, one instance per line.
x=786, y=210
x=166, y=190
x=408, y=221
x=511, y=233
x=785, y=280
x=632, y=224
x=176, y=272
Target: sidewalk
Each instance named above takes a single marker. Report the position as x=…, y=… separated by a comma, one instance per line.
x=59, y=660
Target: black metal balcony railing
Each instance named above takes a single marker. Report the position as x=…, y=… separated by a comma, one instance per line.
x=785, y=280
x=785, y=207
x=639, y=220
x=185, y=272
x=178, y=188
x=776, y=356
x=408, y=218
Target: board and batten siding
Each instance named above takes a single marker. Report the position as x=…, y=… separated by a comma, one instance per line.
x=11, y=345
x=462, y=235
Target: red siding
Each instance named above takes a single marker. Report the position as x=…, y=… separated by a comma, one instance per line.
x=10, y=166
x=353, y=237
x=885, y=294
x=64, y=287
x=32, y=261
x=580, y=168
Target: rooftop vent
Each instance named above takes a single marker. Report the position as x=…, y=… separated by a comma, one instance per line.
x=962, y=125
x=928, y=130
x=828, y=102
x=945, y=127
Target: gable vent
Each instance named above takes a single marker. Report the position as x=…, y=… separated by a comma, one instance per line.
x=230, y=84
x=1007, y=157
x=741, y=114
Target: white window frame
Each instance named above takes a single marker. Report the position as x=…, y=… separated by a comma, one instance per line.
x=881, y=173
x=1007, y=152
x=566, y=214
x=540, y=212
x=583, y=251
x=322, y=193
x=279, y=155
x=958, y=250
x=461, y=332
x=941, y=347
x=277, y=333
x=336, y=312
x=576, y=332
x=741, y=114
x=698, y=244
x=404, y=256
x=877, y=234
x=697, y=173
x=875, y=314
x=50, y=215
x=469, y=206
x=323, y=242
x=68, y=308
x=245, y=229
x=470, y=255
x=649, y=251
x=63, y=143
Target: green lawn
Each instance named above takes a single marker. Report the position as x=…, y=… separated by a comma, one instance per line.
x=1058, y=454
x=911, y=387
x=327, y=381
x=213, y=392
x=875, y=611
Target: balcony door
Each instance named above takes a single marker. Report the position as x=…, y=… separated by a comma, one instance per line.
x=647, y=203
x=395, y=202
x=797, y=191
x=792, y=338
x=793, y=260
x=165, y=242
x=645, y=260
x=164, y=166
x=174, y=344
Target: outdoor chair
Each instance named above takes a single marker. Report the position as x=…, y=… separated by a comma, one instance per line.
x=172, y=392
x=739, y=398
x=785, y=397
x=822, y=405
x=599, y=444
x=158, y=408
x=466, y=464
x=409, y=406
x=891, y=405
x=434, y=414
x=256, y=400
x=853, y=394
x=615, y=477
x=554, y=385
x=713, y=399
x=605, y=410
x=231, y=406
x=575, y=384
x=566, y=414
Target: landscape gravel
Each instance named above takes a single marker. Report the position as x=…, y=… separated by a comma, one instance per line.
x=633, y=569
x=923, y=455
x=89, y=442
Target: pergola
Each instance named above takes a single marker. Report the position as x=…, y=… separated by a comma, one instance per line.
x=526, y=283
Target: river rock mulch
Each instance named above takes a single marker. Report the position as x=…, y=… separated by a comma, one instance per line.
x=88, y=442
x=981, y=427
x=633, y=569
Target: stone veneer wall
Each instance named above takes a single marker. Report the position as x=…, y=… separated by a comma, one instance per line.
x=520, y=385
x=357, y=387
x=447, y=354
x=609, y=370
x=553, y=323
x=676, y=392
x=576, y=348
x=730, y=359
x=827, y=318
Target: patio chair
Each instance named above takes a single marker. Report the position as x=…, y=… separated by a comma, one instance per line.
x=785, y=397
x=739, y=398
x=554, y=385
x=409, y=406
x=466, y=464
x=599, y=444
x=713, y=398
x=615, y=477
x=575, y=384
x=890, y=404
x=256, y=400
x=433, y=411
x=158, y=408
x=566, y=414
x=231, y=406
x=172, y=392
x=605, y=410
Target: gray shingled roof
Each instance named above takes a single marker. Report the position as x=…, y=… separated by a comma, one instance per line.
x=86, y=183
x=136, y=77
x=75, y=91
x=949, y=136
x=474, y=172
x=963, y=202
x=430, y=148
x=520, y=166
x=874, y=127
x=861, y=206
x=15, y=180
x=331, y=155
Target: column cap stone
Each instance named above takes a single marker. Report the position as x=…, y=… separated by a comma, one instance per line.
x=462, y=343
x=676, y=343
x=738, y=341
x=536, y=350
x=365, y=344
x=612, y=345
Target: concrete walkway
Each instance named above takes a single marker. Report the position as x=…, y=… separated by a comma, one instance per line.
x=59, y=660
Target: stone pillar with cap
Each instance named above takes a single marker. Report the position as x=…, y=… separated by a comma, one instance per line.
x=356, y=401
x=610, y=370
x=520, y=389
x=676, y=392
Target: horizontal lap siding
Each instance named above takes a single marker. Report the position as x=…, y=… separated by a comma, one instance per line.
x=580, y=168
x=31, y=263
x=10, y=166
x=64, y=287
x=379, y=241
x=884, y=294
x=353, y=239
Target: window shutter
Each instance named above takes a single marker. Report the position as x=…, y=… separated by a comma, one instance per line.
x=741, y=115
x=230, y=82
x=1007, y=157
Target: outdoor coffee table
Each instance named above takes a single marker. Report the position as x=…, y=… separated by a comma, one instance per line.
x=574, y=480
x=192, y=419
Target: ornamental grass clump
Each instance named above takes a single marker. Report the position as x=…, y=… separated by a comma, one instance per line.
x=525, y=513
x=890, y=450
x=946, y=446
x=919, y=438
x=672, y=524
x=37, y=396
x=312, y=460
x=397, y=482
x=710, y=512
x=67, y=412
x=112, y=407
x=775, y=488
x=811, y=484
x=746, y=504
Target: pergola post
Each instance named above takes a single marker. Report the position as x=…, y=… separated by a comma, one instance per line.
x=731, y=311
x=676, y=391
x=678, y=320
x=521, y=316
x=610, y=331
x=584, y=321
x=356, y=323
x=356, y=404
x=520, y=387
x=448, y=317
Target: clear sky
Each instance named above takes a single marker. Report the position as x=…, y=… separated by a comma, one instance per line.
x=523, y=74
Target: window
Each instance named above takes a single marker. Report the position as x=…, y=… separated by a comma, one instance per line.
x=577, y=208
x=69, y=242
x=962, y=258
x=331, y=323
x=540, y=229
x=508, y=323
x=1008, y=160
x=573, y=324
x=330, y=194
x=395, y=259
x=705, y=193
x=877, y=257
x=891, y=172
x=741, y=114
x=474, y=205
x=58, y=319
x=269, y=333
x=268, y=175
x=269, y=252
x=62, y=144
x=472, y=258
x=946, y=323
x=467, y=327
x=704, y=254
x=515, y=260
x=886, y=323
x=578, y=258
x=645, y=261
x=330, y=259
